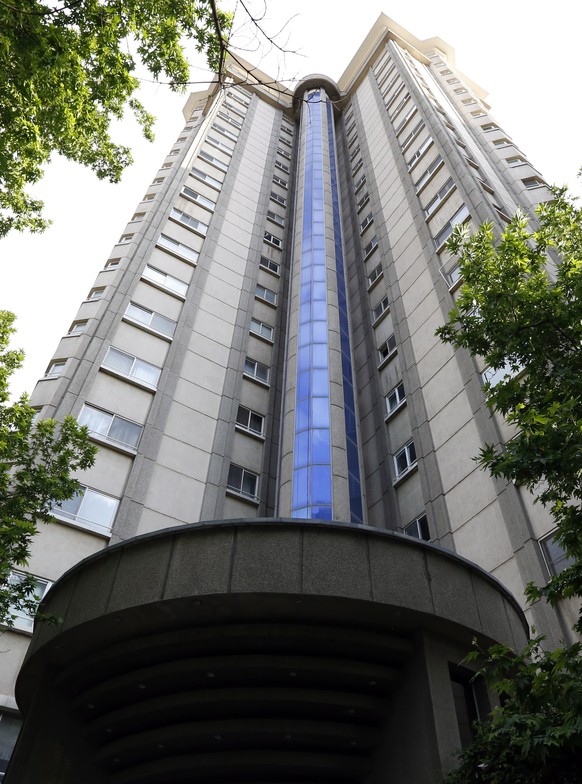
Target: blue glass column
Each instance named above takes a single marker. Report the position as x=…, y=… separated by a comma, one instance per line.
x=312, y=477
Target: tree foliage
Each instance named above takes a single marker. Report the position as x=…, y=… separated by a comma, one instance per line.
x=36, y=462
x=523, y=315
x=67, y=70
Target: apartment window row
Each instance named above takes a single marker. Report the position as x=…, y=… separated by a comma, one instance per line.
x=375, y=275
x=419, y=153
x=55, y=369
x=279, y=181
x=404, y=460
x=207, y=178
x=286, y=129
x=400, y=106
x=262, y=330
x=242, y=482
x=283, y=167
x=256, y=371
x=387, y=350
x=198, y=198
x=230, y=120
x=214, y=142
x=412, y=135
x=149, y=318
x=409, y=115
x=284, y=153
x=218, y=164
x=278, y=219
x=164, y=280
x=123, y=364
x=418, y=528
x=270, y=265
x=439, y=198
x=22, y=620
x=395, y=399
x=362, y=201
x=177, y=248
x=90, y=509
x=250, y=421
x=268, y=295
x=427, y=174
x=395, y=97
x=225, y=132
x=381, y=309
x=110, y=427
x=459, y=217
x=188, y=221
x=278, y=198
x=234, y=109
x=370, y=248
x=368, y=220
x=272, y=240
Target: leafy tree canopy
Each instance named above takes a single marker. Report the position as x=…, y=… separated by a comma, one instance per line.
x=67, y=71
x=36, y=462
x=523, y=315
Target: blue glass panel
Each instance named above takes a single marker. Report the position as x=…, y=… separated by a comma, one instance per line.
x=320, y=446
x=304, y=359
x=301, y=478
x=303, y=385
x=319, y=332
x=318, y=355
x=304, y=334
x=318, y=310
x=318, y=291
x=302, y=415
x=320, y=412
x=304, y=513
x=319, y=383
x=301, y=455
x=321, y=512
x=305, y=313
x=321, y=484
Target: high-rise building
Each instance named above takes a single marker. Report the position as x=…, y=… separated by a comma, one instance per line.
x=257, y=362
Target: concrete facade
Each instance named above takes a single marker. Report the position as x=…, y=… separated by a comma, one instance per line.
x=183, y=360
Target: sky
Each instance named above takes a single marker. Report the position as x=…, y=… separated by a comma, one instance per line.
x=524, y=53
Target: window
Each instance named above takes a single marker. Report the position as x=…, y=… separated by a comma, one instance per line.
x=181, y=139
x=286, y=129
x=55, y=368
x=516, y=160
x=284, y=153
x=173, y=152
x=494, y=376
x=261, y=329
x=264, y=293
x=234, y=109
x=279, y=181
x=21, y=619
x=269, y=265
x=278, y=219
x=272, y=240
x=490, y=127
x=447, y=188
x=460, y=90
x=220, y=145
x=112, y=264
x=164, y=280
x=370, y=247
x=110, y=427
x=380, y=309
x=468, y=101
x=279, y=199
x=502, y=142
x=89, y=508
x=479, y=113
x=387, y=349
x=230, y=119
x=242, y=482
x=256, y=370
x=375, y=275
x=363, y=201
x=554, y=555
x=286, y=142
x=166, y=166
x=197, y=198
x=533, y=182
x=412, y=135
x=369, y=219
x=354, y=152
x=418, y=528
x=187, y=220
x=225, y=132
x=461, y=215
x=427, y=174
x=454, y=80
x=139, y=216
x=158, y=180
x=200, y=175
x=150, y=319
x=405, y=459
x=125, y=239
x=395, y=398
x=406, y=119
x=177, y=248
x=206, y=156
x=123, y=364
x=77, y=327
x=360, y=183
x=282, y=167
x=419, y=153
x=357, y=167
x=250, y=421
x=95, y=294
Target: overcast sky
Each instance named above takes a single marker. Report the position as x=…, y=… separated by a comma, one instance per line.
x=525, y=54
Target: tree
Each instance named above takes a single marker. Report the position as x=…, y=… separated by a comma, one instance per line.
x=67, y=71
x=36, y=462
x=523, y=315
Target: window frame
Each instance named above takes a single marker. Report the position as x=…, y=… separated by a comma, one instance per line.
x=238, y=490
